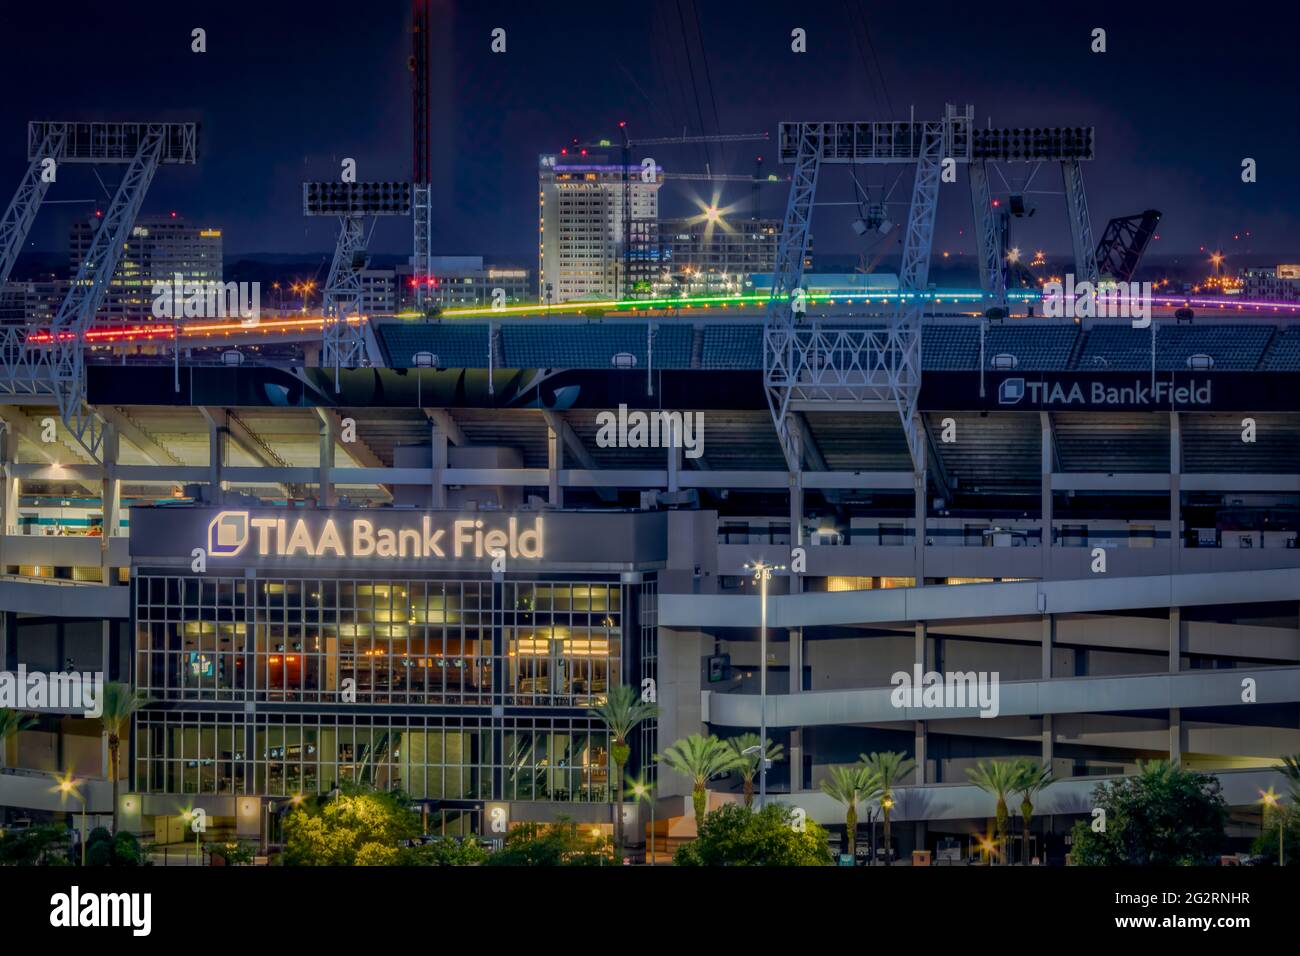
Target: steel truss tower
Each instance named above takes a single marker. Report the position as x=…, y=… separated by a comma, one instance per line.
x=51, y=360
x=809, y=367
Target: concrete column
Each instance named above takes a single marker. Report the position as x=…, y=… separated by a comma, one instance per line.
x=796, y=759
x=918, y=491
x=1049, y=741
x=796, y=509
x=1049, y=638
x=1175, y=492
x=919, y=655
x=110, y=498
x=1175, y=639
x=796, y=660
x=1048, y=467
x=10, y=487
x=554, y=464
x=216, y=460
x=921, y=735
x=674, y=466
x=325, y=492
x=1176, y=736
x=439, y=485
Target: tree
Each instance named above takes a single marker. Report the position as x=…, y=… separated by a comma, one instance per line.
x=621, y=711
x=1164, y=816
x=887, y=769
x=748, y=765
x=119, y=706
x=850, y=786
x=699, y=758
x=998, y=777
x=105, y=849
x=734, y=836
x=556, y=844
x=446, y=851
x=1033, y=779
x=11, y=722
x=354, y=828
x=45, y=845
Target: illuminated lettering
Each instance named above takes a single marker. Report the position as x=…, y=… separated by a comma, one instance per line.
x=387, y=547
x=461, y=536
x=300, y=539
x=431, y=545
x=263, y=526
x=408, y=536
x=329, y=538
x=363, y=538
x=530, y=542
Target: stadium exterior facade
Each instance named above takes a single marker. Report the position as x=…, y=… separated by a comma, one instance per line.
x=1113, y=537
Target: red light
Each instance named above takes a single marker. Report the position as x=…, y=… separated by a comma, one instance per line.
x=99, y=212
x=584, y=152
x=996, y=203
x=622, y=123
x=173, y=213
x=564, y=151
x=412, y=283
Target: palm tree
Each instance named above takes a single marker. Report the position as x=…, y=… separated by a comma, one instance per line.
x=888, y=770
x=621, y=711
x=1034, y=779
x=850, y=786
x=11, y=722
x=998, y=777
x=749, y=761
x=120, y=704
x=699, y=758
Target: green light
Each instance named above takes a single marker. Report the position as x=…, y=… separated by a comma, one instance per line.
x=816, y=297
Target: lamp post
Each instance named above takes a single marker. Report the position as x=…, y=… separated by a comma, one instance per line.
x=67, y=786
x=1270, y=800
x=762, y=573
x=644, y=791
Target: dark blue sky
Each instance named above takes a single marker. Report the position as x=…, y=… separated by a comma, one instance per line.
x=287, y=89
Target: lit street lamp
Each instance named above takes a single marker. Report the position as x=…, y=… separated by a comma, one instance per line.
x=645, y=791
x=762, y=572
x=1270, y=799
x=67, y=786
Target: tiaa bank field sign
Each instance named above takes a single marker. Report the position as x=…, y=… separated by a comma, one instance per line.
x=233, y=534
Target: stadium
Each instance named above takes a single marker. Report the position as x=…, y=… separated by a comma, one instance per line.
x=423, y=572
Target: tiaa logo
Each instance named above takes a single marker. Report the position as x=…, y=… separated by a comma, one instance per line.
x=1011, y=391
x=228, y=534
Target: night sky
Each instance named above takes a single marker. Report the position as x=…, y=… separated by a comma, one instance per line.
x=287, y=89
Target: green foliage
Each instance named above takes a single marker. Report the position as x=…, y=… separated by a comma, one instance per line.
x=748, y=763
x=444, y=852
x=699, y=758
x=333, y=831
x=850, y=786
x=1165, y=816
x=11, y=722
x=999, y=778
x=376, y=854
x=45, y=845
x=105, y=849
x=234, y=852
x=735, y=836
x=1286, y=819
x=558, y=844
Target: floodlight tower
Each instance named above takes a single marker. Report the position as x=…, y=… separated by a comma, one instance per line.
x=50, y=360
x=344, y=342
x=421, y=263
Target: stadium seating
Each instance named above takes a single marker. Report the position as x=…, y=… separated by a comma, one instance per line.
x=1125, y=348
x=457, y=345
x=593, y=345
x=1283, y=353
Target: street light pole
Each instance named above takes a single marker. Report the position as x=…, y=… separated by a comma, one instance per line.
x=762, y=572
